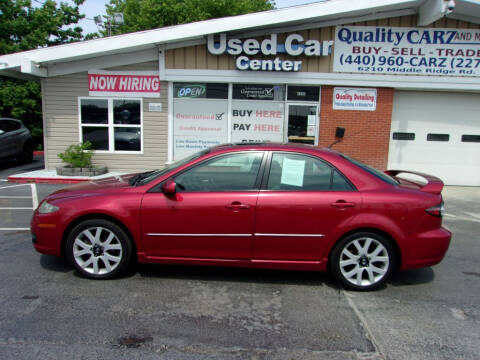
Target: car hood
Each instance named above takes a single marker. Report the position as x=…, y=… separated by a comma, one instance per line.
x=93, y=187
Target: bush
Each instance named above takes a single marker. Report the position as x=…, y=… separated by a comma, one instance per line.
x=78, y=155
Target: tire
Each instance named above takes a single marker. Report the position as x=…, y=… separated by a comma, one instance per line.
x=27, y=153
x=353, y=264
x=99, y=249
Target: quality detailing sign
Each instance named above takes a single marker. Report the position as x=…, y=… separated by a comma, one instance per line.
x=295, y=45
x=125, y=84
x=407, y=51
x=354, y=99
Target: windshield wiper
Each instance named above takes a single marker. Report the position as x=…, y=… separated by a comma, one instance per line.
x=139, y=177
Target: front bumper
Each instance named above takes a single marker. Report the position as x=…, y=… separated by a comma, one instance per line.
x=46, y=234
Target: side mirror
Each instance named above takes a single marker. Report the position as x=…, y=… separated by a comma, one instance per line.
x=169, y=187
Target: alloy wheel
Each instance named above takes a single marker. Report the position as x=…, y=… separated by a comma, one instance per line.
x=97, y=250
x=364, y=262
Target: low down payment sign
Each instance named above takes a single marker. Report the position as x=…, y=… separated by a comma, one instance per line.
x=407, y=51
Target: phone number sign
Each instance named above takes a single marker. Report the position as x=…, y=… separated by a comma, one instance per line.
x=407, y=51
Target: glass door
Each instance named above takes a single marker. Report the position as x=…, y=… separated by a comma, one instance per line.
x=303, y=123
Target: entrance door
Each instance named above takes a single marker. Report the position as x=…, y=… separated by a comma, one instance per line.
x=303, y=124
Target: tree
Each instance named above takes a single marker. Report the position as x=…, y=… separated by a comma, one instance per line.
x=24, y=27
x=151, y=14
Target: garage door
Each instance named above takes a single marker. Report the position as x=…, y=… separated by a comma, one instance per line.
x=437, y=133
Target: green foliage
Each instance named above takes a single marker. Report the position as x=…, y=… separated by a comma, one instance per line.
x=24, y=27
x=151, y=14
x=78, y=155
x=20, y=99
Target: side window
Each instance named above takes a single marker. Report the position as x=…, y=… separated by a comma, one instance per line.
x=235, y=172
x=13, y=125
x=3, y=125
x=305, y=173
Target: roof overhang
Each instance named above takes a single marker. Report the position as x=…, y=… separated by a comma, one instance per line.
x=144, y=45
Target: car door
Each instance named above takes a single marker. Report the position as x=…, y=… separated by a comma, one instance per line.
x=302, y=201
x=212, y=213
x=6, y=146
x=15, y=131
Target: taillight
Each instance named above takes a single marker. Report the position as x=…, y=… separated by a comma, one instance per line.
x=436, y=210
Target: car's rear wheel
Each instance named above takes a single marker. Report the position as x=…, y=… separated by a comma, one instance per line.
x=99, y=249
x=363, y=261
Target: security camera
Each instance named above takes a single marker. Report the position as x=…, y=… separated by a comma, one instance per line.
x=451, y=5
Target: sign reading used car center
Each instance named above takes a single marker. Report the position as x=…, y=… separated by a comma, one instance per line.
x=294, y=45
x=407, y=51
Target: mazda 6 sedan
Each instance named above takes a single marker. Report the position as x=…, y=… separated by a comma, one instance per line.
x=268, y=205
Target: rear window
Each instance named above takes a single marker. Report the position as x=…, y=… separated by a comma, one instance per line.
x=377, y=173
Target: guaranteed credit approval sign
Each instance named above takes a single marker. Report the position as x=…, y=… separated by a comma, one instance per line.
x=125, y=84
x=407, y=51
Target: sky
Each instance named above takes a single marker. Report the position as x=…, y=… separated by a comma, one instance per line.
x=92, y=8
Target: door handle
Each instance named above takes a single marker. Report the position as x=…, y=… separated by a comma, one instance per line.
x=237, y=206
x=342, y=204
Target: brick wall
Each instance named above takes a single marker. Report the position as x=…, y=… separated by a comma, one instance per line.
x=367, y=133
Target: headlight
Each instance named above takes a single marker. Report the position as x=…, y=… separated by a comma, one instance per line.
x=46, y=208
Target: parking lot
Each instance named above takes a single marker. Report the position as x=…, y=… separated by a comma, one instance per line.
x=176, y=312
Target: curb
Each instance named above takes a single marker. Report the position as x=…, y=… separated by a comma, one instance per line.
x=27, y=180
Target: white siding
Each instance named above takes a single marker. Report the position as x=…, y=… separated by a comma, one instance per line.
x=60, y=100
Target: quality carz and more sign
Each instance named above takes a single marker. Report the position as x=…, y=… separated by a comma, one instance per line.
x=407, y=51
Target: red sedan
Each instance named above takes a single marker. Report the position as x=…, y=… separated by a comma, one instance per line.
x=255, y=205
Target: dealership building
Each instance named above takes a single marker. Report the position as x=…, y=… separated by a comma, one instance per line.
x=399, y=79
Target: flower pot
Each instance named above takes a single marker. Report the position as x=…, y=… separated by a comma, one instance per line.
x=69, y=171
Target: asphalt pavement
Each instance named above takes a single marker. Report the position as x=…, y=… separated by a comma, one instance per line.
x=177, y=312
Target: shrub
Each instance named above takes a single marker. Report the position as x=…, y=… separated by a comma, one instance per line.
x=78, y=155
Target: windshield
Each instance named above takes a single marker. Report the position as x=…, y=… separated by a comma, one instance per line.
x=157, y=173
x=377, y=173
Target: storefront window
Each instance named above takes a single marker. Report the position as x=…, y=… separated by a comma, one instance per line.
x=126, y=112
x=200, y=91
x=303, y=93
x=94, y=111
x=258, y=113
x=200, y=117
x=259, y=92
x=98, y=136
x=112, y=124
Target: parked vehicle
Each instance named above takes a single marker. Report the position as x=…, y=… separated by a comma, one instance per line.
x=15, y=141
x=266, y=205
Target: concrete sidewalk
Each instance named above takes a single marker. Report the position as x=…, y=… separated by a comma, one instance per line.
x=51, y=177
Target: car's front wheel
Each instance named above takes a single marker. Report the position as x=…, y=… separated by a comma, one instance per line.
x=99, y=249
x=363, y=261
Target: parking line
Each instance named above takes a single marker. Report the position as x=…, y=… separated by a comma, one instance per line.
x=15, y=197
x=14, y=229
x=16, y=208
x=34, y=195
x=12, y=186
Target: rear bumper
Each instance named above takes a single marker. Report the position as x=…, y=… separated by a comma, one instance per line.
x=427, y=248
